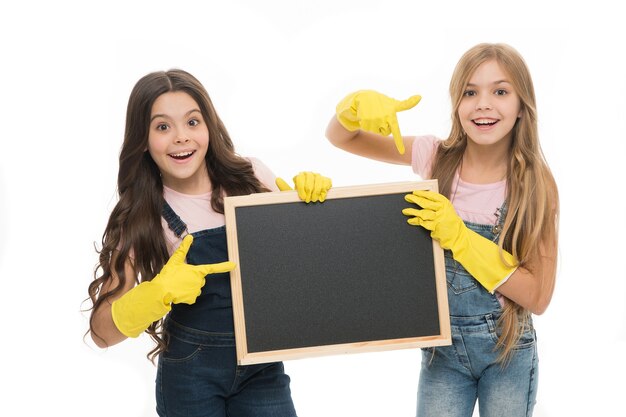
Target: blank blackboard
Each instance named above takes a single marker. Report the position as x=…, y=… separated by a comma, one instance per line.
x=346, y=275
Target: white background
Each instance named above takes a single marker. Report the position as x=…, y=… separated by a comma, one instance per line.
x=275, y=70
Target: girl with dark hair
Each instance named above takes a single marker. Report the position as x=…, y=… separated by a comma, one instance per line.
x=176, y=165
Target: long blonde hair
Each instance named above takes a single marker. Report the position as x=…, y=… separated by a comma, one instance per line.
x=532, y=196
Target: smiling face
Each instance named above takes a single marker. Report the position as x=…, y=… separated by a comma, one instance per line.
x=178, y=141
x=490, y=106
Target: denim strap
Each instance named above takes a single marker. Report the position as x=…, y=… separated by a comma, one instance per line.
x=174, y=222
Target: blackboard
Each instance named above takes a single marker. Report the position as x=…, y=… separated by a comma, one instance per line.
x=347, y=275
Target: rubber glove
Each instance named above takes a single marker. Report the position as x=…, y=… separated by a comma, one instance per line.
x=374, y=112
x=311, y=186
x=178, y=282
x=479, y=256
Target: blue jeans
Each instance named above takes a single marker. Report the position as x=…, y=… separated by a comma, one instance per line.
x=453, y=378
x=198, y=376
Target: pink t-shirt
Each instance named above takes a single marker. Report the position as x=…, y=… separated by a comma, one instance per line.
x=196, y=211
x=476, y=203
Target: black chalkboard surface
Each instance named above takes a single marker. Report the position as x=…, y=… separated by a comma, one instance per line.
x=346, y=275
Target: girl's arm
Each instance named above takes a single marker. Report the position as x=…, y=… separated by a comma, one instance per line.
x=532, y=287
x=369, y=145
x=132, y=312
x=107, y=334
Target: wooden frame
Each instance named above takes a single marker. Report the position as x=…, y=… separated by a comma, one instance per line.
x=235, y=206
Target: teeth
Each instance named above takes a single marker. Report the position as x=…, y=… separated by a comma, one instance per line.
x=181, y=155
x=484, y=122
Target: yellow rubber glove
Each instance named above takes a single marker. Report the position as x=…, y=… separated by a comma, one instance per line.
x=374, y=112
x=478, y=255
x=178, y=282
x=311, y=186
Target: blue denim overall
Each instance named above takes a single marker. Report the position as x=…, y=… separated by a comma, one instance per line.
x=198, y=374
x=453, y=377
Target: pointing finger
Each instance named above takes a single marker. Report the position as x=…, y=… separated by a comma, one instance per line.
x=397, y=137
x=408, y=103
x=215, y=268
x=181, y=253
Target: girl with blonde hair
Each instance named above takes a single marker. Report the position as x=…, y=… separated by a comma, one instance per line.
x=496, y=216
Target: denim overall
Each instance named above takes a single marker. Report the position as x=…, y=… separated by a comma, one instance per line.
x=198, y=373
x=453, y=377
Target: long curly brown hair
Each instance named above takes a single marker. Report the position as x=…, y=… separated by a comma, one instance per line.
x=134, y=225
